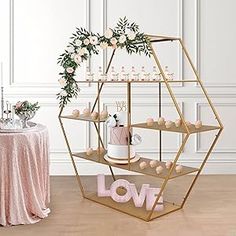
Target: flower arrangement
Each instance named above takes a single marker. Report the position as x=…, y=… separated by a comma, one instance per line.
x=25, y=107
x=84, y=43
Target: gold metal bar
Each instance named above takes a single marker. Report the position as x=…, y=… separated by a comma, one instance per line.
x=164, y=214
x=161, y=36
x=71, y=156
x=169, y=89
x=201, y=84
x=100, y=139
x=160, y=40
x=129, y=118
x=99, y=136
x=168, y=176
x=160, y=132
x=202, y=165
x=112, y=173
x=60, y=112
x=129, y=213
x=108, y=67
x=180, y=81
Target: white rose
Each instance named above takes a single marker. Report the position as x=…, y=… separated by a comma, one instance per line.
x=70, y=49
x=85, y=50
x=78, y=42
x=122, y=38
x=111, y=121
x=103, y=45
x=82, y=51
x=62, y=82
x=77, y=58
x=63, y=93
x=93, y=40
x=113, y=41
x=131, y=35
x=86, y=42
x=72, y=55
x=136, y=139
x=108, y=33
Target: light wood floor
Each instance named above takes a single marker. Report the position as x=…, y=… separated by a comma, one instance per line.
x=210, y=210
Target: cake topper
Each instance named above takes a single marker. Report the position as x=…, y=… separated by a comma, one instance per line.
x=121, y=106
x=118, y=119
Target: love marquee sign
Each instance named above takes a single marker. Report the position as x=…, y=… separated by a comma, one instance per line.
x=146, y=193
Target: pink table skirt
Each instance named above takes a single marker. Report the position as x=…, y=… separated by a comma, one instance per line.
x=24, y=177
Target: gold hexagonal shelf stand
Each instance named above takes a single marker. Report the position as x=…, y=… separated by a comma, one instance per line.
x=184, y=129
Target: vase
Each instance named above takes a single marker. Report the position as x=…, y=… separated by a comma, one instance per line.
x=25, y=117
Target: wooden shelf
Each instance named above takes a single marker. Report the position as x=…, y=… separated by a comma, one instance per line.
x=155, y=126
x=130, y=209
x=136, y=82
x=82, y=117
x=135, y=166
x=180, y=129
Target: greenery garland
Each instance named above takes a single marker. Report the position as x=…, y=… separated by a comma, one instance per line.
x=84, y=43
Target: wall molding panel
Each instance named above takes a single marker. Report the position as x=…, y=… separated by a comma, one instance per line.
x=217, y=149
x=12, y=78
x=198, y=20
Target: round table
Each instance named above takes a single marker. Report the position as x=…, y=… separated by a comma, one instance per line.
x=24, y=176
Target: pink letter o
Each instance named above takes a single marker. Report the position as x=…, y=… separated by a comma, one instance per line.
x=115, y=196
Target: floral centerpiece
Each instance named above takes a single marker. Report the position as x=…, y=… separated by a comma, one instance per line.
x=26, y=111
x=84, y=43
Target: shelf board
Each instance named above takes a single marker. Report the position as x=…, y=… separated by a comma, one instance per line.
x=130, y=209
x=137, y=82
x=155, y=126
x=180, y=129
x=82, y=117
x=135, y=166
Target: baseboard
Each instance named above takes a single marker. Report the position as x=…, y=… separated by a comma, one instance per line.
x=64, y=167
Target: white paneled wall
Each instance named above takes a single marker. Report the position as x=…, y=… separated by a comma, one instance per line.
x=35, y=32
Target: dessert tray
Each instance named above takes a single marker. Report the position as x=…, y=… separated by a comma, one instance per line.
x=18, y=129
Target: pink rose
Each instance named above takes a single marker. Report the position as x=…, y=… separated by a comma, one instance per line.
x=113, y=40
x=114, y=46
x=18, y=105
x=77, y=59
x=93, y=40
x=69, y=70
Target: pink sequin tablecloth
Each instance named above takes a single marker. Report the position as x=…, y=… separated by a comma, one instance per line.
x=24, y=176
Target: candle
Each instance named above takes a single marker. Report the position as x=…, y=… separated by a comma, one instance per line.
x=2, y=98
x=12, y=112
x=2, y=103
x=1, y=74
